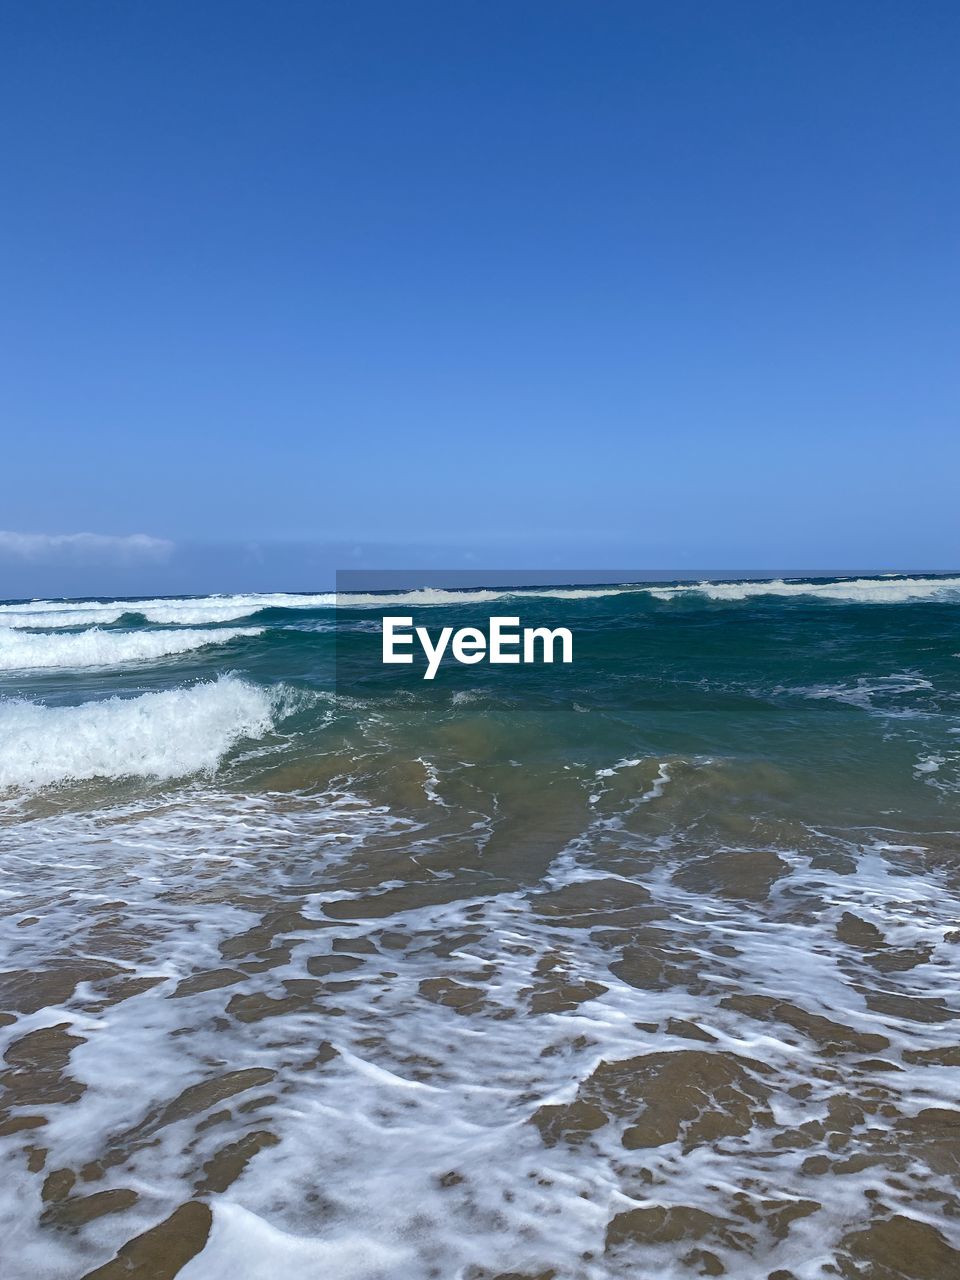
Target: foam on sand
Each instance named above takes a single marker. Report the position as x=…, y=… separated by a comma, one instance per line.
x=157, y=735
x=750, y=1070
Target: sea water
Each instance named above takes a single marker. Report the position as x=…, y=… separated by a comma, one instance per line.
x=643, y=965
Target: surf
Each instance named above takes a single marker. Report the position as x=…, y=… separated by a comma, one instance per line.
x=20, y=651
x=164, y=735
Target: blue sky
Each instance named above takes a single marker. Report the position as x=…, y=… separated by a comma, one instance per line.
x=632, y=284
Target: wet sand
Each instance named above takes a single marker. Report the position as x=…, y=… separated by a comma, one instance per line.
x=248, y=1034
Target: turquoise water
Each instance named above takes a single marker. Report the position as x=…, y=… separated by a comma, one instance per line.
x=713, y=859
x=853, y=700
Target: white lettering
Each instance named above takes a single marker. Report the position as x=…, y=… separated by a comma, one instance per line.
x=498, y=638
x=470, y=645
x=391, y=640
x=532, y=634
x=434, y=654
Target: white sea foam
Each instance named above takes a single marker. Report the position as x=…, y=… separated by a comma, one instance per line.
x=94, y=648
x=871, y=693
x=158, y=735
x=940, y=770
x=852, y=590
x=653, y=792
x=928, y=764
x=244, y=1244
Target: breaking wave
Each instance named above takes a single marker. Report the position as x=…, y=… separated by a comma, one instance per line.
x=31, y=650
x=158, y=735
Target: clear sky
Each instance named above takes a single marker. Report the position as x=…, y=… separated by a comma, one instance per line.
x=517, y=283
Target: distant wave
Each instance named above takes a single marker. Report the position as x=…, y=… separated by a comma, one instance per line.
x=435, y=596
x=890, y=590
x=182, y=611
x=52, y=614
x=28, y=650
x=157, y=735
x=853, y=590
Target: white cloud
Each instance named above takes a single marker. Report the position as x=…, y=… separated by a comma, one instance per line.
x=85, y=547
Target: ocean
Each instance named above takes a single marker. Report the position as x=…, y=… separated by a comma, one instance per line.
x=644, y=965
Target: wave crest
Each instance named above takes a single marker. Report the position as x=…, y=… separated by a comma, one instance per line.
x=161, y=735
x=31, y=651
